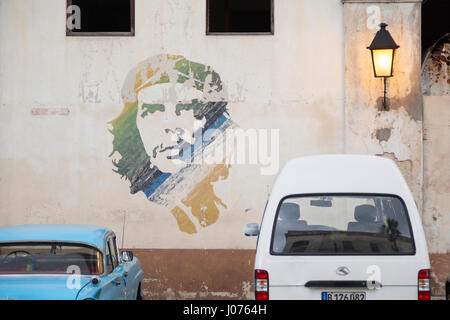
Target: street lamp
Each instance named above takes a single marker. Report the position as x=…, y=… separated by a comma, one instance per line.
x=383, y=52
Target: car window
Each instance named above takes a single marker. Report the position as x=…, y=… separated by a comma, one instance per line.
x=342, y=224
x=49, y=258
x=116, y=250
x=113, y=250
x=109, y=258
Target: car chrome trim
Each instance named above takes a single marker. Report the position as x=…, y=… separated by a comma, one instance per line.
x=343, y=271
x=53, y=241
x=336, y=284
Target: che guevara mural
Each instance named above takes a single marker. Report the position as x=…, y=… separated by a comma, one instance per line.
x=169, y=138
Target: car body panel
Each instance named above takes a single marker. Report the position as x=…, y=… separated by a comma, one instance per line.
x=122, y=283
x=134, y=279
x=340, y=174
x=38, y=287
x=130, y=276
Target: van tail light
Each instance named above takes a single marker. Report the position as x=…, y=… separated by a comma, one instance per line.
x=424, y=285
x=261, y=285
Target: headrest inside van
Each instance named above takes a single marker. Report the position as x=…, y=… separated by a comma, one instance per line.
x=365, y=213
x=289, y=211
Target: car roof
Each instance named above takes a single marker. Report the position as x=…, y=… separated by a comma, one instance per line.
x=340, y=174
x=93, y=235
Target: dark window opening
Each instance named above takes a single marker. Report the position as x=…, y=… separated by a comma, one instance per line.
x=239, y=16
x=100, y=18
x=435, y=22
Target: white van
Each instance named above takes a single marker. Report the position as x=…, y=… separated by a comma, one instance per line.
x=341, y=227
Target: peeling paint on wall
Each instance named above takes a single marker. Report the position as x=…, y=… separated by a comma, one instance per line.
x=383, y=134
x=440, y=269
x=436, y=217
x=396, y=133
x=436, y=69
x=165, y=280
x=50, y=111
x=436, y=220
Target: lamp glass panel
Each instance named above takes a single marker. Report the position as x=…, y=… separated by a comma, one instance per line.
x=383, y=59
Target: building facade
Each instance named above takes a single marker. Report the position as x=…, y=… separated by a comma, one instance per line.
x=83, y=134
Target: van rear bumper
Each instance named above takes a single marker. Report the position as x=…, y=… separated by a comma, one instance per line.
x=315, y=293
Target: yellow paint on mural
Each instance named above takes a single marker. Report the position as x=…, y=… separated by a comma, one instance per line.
x=184, y=223
x=203, y=201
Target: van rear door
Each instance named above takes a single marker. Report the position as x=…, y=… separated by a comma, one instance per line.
x=342, y=247
x=301, y=278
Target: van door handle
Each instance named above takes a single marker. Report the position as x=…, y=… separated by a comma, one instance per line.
x=117, y=281
x=336, y=284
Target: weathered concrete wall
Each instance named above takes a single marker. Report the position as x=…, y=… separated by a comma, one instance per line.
x=73, y=124
x=436, y=98
x=396, y=133
x=60, y=96
x=197, y=274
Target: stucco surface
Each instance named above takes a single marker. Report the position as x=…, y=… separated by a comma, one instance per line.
x=311, y=81
x=369, y=129
x=59, y=95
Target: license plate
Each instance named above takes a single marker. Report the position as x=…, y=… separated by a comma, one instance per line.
x=344, y=295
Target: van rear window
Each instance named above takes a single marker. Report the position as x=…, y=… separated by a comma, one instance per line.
x=342, y=225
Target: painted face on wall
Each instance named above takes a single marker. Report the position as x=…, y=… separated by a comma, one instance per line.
x=167, y=111
x=174, y=110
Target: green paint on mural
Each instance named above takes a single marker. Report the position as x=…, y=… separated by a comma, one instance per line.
x=183, y=67
x=151, y=108
x=127, y=141
x=199, y=72
x=195, y=106
x=164, y=79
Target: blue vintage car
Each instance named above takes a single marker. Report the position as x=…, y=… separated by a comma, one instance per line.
x=66, y=262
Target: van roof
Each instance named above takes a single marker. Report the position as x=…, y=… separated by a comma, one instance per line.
x=340, y=174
